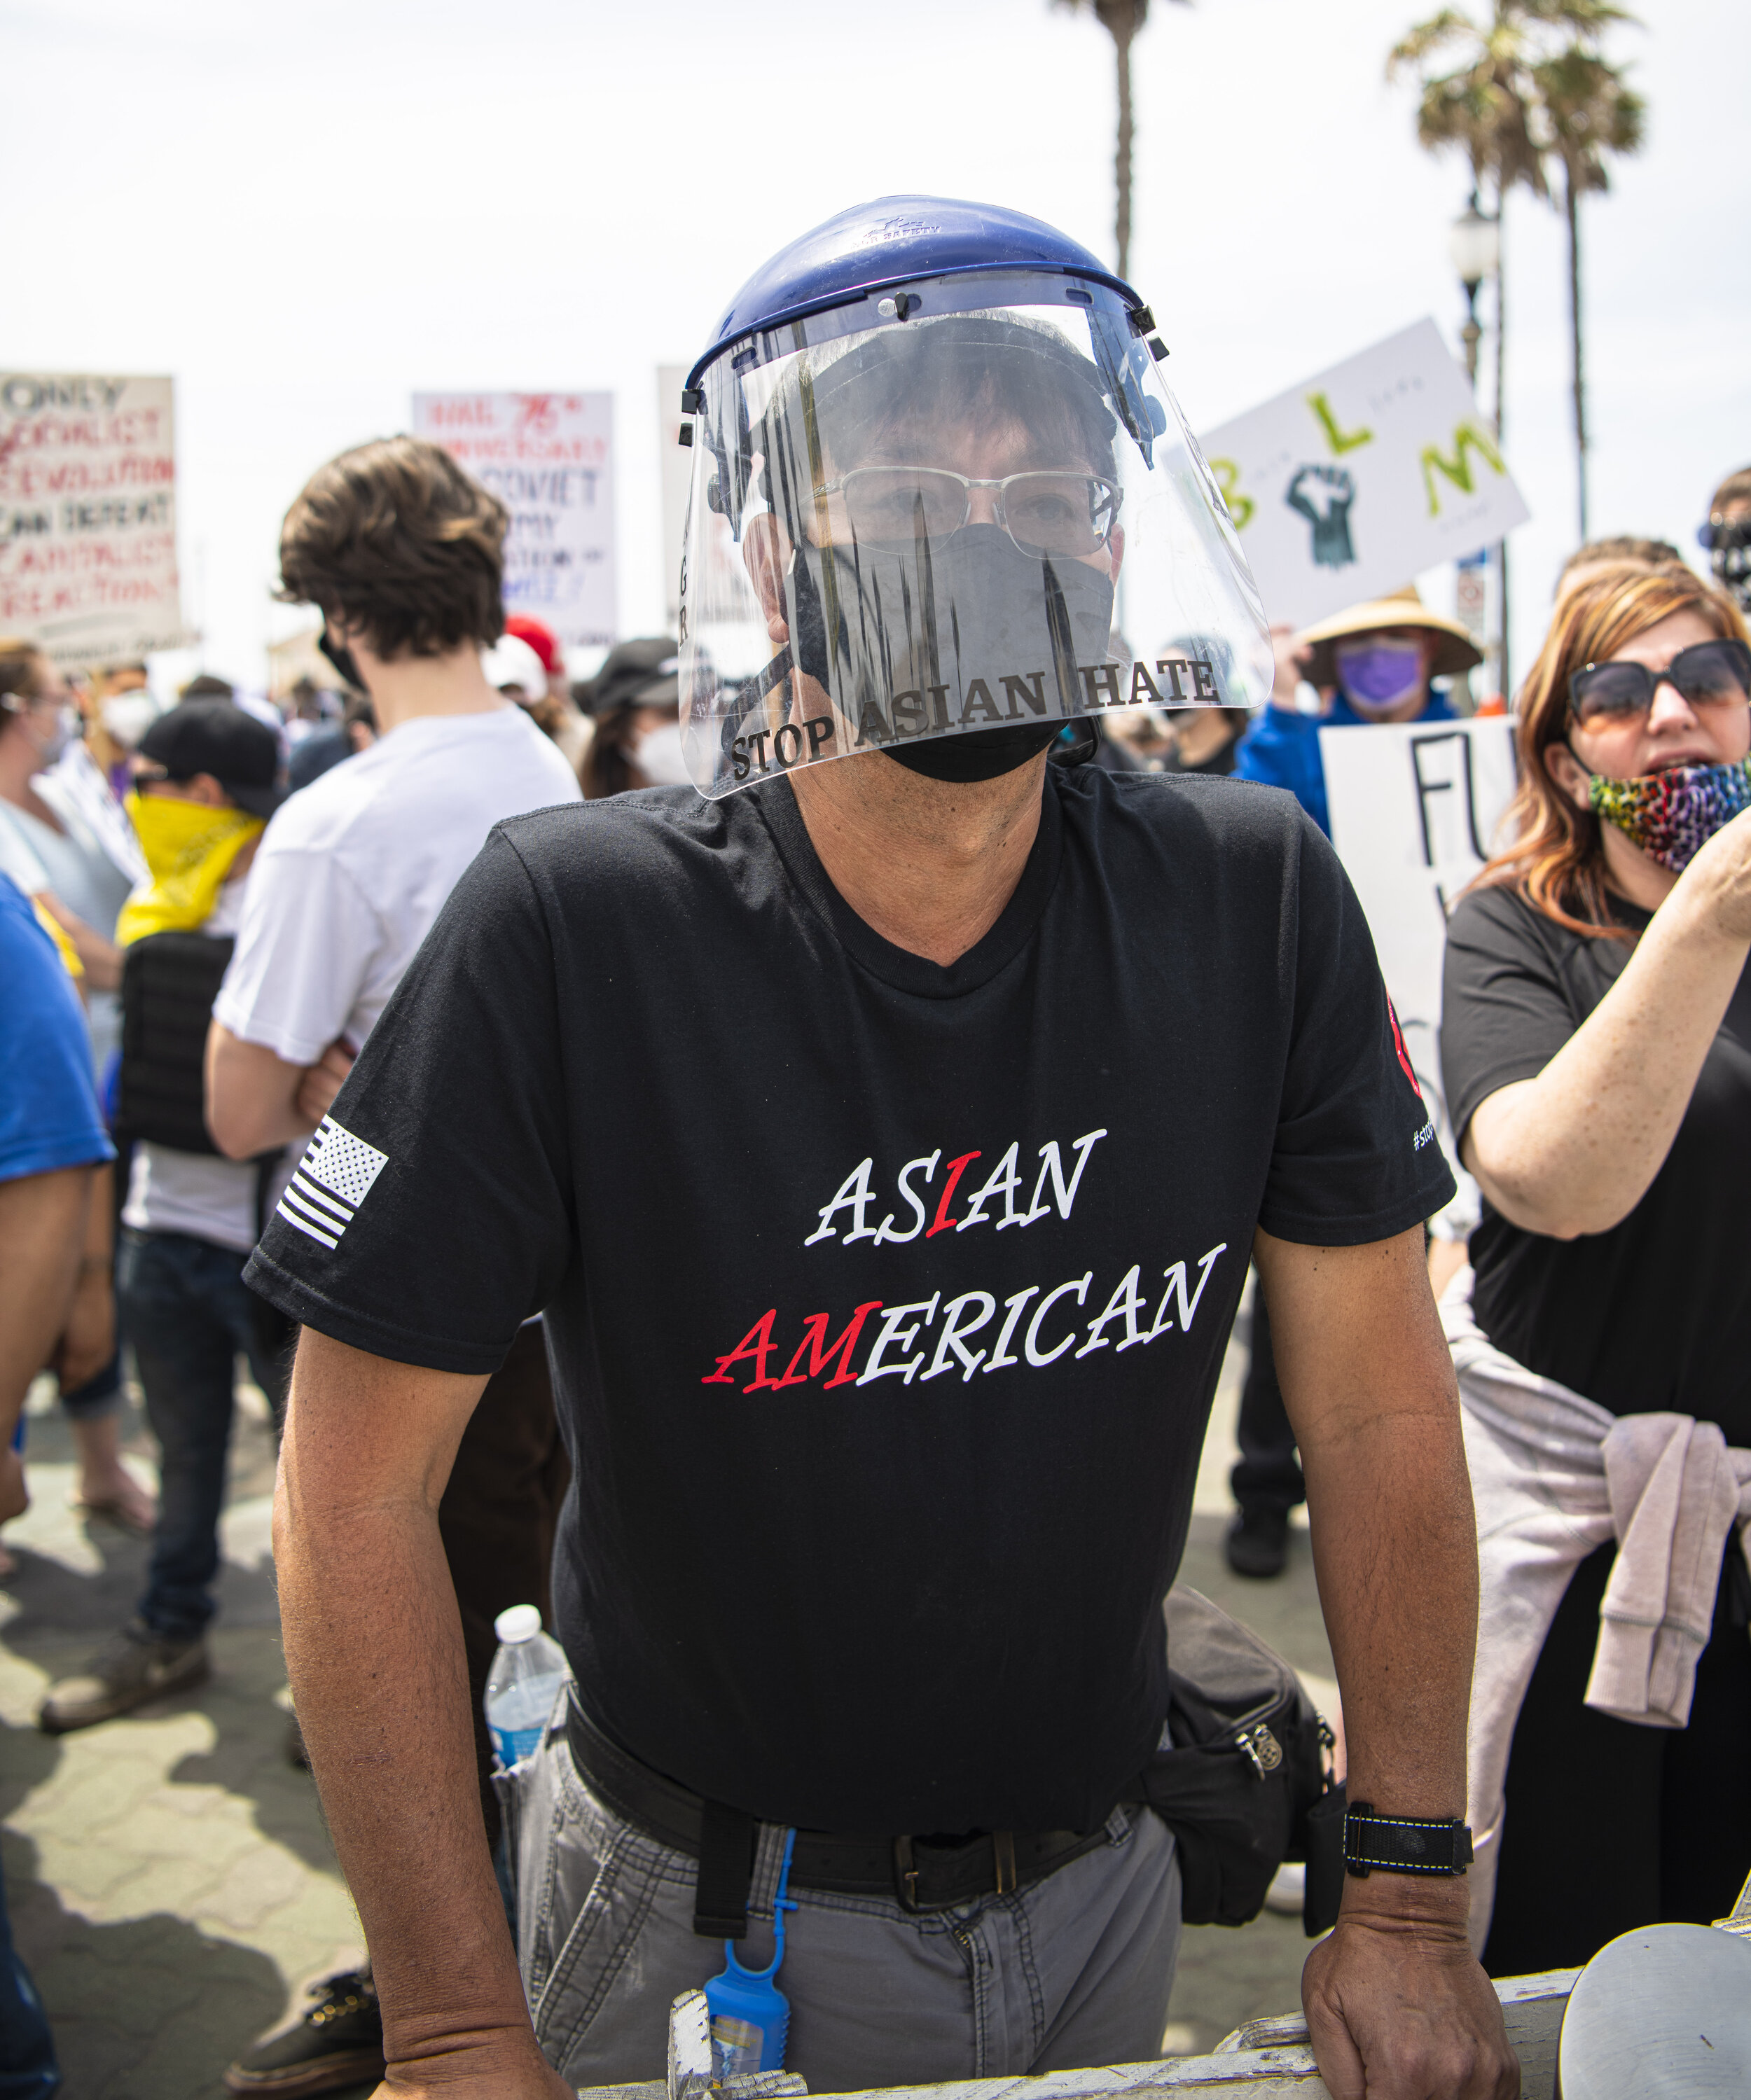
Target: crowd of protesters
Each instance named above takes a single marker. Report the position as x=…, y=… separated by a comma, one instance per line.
x=206, y=906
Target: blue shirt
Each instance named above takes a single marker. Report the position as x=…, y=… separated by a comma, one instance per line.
x=48, y=1107
x=1282, y=749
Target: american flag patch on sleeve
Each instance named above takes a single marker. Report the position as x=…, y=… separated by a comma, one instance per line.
x=330, y=1182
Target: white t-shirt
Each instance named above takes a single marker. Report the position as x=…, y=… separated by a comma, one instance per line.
x=199, y=1193
x=353, y=869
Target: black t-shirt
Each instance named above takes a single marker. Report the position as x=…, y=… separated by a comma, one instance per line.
x=886, y=1301
x=1656, y=1313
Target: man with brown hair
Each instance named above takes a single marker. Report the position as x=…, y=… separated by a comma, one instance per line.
x=403, y=555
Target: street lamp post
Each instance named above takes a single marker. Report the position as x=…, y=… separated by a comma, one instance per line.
x=1474, y=245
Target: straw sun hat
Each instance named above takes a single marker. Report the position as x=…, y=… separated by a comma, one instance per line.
x=1454, y=649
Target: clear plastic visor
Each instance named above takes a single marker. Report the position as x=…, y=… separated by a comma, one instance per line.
x=958, y=520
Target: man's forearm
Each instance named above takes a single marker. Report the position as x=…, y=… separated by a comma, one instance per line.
x=1395, y=1552
x=1397, y=2007
x=374, y=1647
x=251, y=1096
x=1394, y=1536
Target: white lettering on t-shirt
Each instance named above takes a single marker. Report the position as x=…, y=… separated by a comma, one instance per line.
x=1001, y=1358
x=812, y=1357
x=1176, y=1281
x=955, y=1331
x=1036, y=1357
x=854, y=1195
x=893, y=1330
x=1003, y=1181
x=885, y=1232
x=1050, y=1164
x=1125, y=1303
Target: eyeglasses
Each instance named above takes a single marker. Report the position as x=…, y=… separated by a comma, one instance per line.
x=1043, y=514
x=1707, y=674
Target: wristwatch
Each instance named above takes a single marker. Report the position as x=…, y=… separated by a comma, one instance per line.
x=1403, y=1844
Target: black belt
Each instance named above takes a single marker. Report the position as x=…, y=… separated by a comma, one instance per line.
x=921, y=1874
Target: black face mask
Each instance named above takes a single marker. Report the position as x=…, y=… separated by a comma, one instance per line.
x=973, y=608
x=985, y=754
x=342, y=658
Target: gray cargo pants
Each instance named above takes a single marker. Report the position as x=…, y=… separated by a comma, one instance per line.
x=1071, y=1970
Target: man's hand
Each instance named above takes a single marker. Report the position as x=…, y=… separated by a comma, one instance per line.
x=1291, y=667
x=322, y=1082
x=1397, y=2006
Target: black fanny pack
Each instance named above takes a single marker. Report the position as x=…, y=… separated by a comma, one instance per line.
x=1245, y=1786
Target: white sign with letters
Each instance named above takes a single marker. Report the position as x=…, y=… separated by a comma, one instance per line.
x=1355, y=481
x=549, y=458
x=1415, y=809
x=88, y=514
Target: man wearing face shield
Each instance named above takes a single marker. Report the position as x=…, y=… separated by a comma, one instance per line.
x=883, y=1327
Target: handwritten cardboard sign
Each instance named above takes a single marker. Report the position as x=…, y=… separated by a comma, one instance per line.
x=88, y=515
x=1416, y=808
x=549, y=458
x=1349, y=485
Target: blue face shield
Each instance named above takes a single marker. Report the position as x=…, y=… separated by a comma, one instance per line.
x=909, y=537
x=1378, y=675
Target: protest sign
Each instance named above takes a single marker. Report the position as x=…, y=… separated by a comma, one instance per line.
x=1351, y=484
x=549, y=458
x=1415, y=808
x=88, y=515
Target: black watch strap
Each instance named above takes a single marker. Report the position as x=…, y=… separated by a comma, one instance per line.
x=1403, y=1844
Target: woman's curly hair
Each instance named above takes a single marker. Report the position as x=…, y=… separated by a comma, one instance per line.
x=393, y=541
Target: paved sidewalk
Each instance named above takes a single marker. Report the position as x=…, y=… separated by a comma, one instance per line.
x=170, y=1882
x=170, y=1879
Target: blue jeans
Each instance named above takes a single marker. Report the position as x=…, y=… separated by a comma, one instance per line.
x=28, y=2069
x=188, y=1312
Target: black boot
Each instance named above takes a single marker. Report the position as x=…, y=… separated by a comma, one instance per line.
x=338, y=2042
x=1257, y=1540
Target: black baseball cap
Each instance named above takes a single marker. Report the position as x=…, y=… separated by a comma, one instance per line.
x=645, y=671
x=213, y=736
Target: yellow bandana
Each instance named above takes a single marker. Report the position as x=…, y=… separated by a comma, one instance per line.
x=189, y=850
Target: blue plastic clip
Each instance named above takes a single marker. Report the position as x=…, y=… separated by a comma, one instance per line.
x=750, y=2016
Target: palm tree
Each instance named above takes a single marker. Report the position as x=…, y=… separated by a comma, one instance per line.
x=1484, y=107
x=1122, y=19
x=1531, y=88
x=1590, y=113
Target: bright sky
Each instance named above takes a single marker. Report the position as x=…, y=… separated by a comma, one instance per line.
x=308, y=210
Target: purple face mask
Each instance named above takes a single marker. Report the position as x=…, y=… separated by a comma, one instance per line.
x=1378, y=675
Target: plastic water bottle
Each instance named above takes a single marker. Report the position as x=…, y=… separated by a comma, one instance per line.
x=523, y=1683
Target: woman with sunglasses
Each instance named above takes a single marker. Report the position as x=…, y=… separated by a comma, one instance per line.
x=1596, y=1041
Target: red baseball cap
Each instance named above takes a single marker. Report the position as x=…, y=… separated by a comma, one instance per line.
x=543, y=639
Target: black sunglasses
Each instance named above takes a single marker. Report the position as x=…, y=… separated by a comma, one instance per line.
x=1707, y=671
